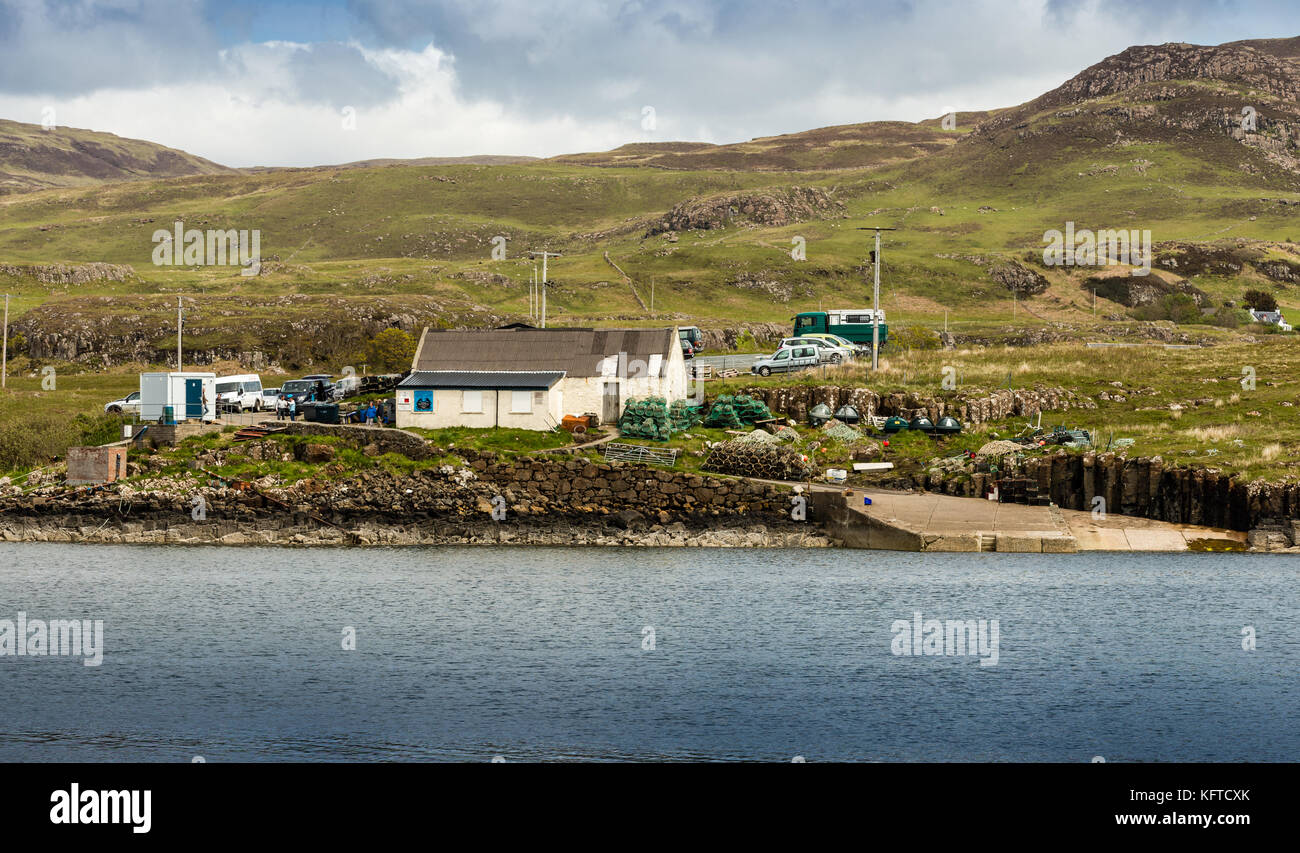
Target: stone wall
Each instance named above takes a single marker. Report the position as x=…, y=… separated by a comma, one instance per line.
x=1147, y=487
x=971, y=408
x=551, y=499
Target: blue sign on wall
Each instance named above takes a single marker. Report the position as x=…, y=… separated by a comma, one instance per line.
x=424, y=401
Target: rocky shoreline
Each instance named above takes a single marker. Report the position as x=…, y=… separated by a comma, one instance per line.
x=482, y=499
x=73, y=529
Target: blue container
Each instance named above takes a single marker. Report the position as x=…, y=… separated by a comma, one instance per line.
x=169, y=415
x=866, y=501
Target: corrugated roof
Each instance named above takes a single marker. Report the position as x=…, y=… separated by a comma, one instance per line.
x=504, y=379
x=576, y=352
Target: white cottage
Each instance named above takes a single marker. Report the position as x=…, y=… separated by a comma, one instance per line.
x=529, y=378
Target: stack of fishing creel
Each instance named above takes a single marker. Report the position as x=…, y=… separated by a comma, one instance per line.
x=682, y=417
x=646, y=418
x=730, y=412
x=758, y=459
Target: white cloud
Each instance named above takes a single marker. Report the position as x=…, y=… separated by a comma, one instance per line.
x=546, y=77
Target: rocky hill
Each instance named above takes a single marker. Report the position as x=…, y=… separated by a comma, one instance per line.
x=850, y=146
x=1235, y=106
x=32, y=158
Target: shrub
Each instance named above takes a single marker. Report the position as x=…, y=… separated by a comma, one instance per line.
x=1259, y=300
x=1228, y=318
x=915, y=337
x=38, y=438
x=1179, y=307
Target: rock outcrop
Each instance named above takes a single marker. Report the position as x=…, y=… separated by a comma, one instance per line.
x=1148, y=487
x=770, y=206
x=547, y=499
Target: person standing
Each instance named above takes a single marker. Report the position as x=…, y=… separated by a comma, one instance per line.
x=293, y=409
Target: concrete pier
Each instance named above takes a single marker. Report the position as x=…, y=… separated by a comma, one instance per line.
x=906, y=521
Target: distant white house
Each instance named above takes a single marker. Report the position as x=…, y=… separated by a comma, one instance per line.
x=1273, y=318
x=528, y=378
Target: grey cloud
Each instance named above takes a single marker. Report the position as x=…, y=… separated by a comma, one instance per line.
x=339, y=75
x=72, y=48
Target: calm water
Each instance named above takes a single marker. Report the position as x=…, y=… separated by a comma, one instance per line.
x=536, y=654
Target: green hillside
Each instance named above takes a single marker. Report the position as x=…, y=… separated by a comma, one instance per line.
x=32, y=158
x=350, y=251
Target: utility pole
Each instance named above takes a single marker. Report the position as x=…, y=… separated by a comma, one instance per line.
x=178, y=334
x=875, y=300
x=652, y=294
x=4, y=352
x=545, y=256
x=1094, y=303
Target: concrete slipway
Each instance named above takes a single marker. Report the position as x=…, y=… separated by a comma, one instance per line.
x=910, y=521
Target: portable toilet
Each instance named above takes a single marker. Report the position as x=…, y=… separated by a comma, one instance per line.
x=178, y=396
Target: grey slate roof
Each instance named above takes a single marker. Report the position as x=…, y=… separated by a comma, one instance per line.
x=576, y=352
x=506, y=380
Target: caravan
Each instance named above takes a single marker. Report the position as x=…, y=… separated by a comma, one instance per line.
x=175, y=397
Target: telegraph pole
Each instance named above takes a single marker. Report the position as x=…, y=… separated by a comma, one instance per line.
x=875, y=299
x=4, y=352
x=545, y=256
x=178, y=334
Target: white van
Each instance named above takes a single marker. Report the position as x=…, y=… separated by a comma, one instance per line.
x=238, y=393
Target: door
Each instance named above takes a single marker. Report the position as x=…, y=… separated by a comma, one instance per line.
x=781, y=361
x=609, y=411
x=194, y=399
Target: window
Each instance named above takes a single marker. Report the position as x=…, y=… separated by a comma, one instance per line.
x=472, y=402
x=782, y=355
x=858, y=318
x=253, y=387
x=521, y=402
x=806, y=352
x=806, y=322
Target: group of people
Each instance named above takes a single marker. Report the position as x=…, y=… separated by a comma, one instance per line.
x=379, y=413
x=286, y=407
x=372, y=413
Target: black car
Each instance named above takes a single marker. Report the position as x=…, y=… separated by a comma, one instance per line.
x=307, y=389
x=688, y=351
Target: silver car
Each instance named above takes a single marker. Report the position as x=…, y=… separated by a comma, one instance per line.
x=786, y=360
x=826, y=351
x=128, y=405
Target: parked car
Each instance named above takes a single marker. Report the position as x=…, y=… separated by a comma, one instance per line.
x=239, y=393
x=302, y=390
x=346, y=387
x=693, y=335
x=826, y=351
x=130, y=404
x=688, y=351
x=270, y=396
x=786, y=359
x=856, y=348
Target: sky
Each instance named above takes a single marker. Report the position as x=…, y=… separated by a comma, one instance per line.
x=309, y=83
